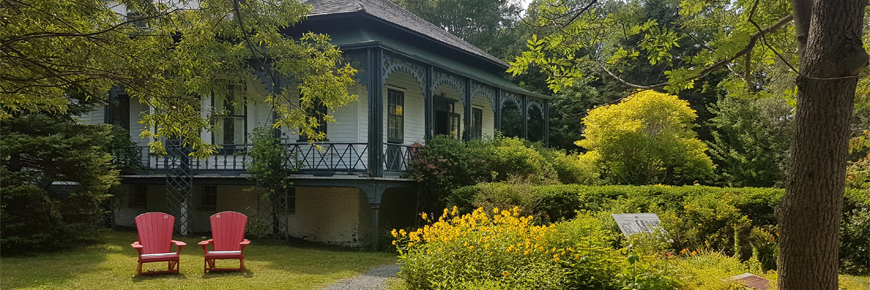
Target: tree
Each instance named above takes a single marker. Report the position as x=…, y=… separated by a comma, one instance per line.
x=43, y=157
x=830, y=55
x=751, y=140
x=647, y=139
x=169, y=55
x=490, y=25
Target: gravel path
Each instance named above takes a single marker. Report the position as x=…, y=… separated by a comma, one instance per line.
x=375, y=279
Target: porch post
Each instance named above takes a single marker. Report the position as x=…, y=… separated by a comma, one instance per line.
x=466, y=134
x=525, y=114
x=376, y=229
x=546, y=123
x=497, y=109
x=376, y=112
x=430, y=105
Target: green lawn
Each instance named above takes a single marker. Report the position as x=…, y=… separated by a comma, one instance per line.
x=112, y=265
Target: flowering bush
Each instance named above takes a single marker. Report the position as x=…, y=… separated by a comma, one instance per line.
x=499, y=248
x=472, y=248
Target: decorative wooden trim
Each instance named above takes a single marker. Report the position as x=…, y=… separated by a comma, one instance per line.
x=439, y=78
x=392, y=64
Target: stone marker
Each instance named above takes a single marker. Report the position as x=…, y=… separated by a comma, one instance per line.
x=631, y=223
x=750, y=281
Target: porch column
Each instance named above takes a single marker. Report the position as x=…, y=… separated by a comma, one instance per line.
x=546, y=123
x=525, y=115
x=376, y=229
x=466, y=134
x=430, y=104
x=376, y=112
x=497, y=109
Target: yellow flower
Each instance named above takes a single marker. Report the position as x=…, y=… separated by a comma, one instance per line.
x=402, y=232
x=505, y=273
x=694, y=253
x=394, y=233
x=423, y=215
x=495, y=210
x=394, y=242
x=410, y=244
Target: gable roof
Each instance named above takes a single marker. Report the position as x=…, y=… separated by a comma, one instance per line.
x=388, y=11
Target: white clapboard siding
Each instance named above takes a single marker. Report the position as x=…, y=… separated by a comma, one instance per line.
x=97, y=116
x=482, y=102
x=137, y=110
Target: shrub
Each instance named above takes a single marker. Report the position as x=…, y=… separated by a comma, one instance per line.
x=465, y=250
x=446, y=164
x=510, y=157
x=729, y=220
x=647, y=139
x=855, y=233
x=573, y=168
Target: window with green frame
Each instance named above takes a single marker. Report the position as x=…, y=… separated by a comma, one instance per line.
x=395, y=116
x=476, y=123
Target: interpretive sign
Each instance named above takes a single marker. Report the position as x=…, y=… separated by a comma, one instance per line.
x=631, y=223
x=750, y=281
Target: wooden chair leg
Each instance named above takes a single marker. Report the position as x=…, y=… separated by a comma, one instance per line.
x=139, y=269
x=242, y=265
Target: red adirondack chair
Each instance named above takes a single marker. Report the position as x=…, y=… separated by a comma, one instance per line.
x=228, y=240
x=155, y=241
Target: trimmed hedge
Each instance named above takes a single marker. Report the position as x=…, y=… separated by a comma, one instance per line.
x=737, y=221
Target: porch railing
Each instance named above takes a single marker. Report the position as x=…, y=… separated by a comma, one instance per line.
x=330, y=158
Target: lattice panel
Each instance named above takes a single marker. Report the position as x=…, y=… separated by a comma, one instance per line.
x=179, y=185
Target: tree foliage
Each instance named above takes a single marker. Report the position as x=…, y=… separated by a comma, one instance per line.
x=491, y=25
x=56, y=173
x=647, y=139
x=170, y=55
x=752, y=138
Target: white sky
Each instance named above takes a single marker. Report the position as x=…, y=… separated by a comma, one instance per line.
x=525, y=3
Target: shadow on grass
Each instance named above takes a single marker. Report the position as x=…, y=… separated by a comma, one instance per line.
x=56, y=267
x=163, y=276
x=219, y=274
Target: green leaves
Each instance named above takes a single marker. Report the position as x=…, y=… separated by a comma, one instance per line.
x=173, y=60
x=647, y=139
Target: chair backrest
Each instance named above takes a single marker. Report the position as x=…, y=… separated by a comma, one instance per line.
x=155, y=231
x=228, y=230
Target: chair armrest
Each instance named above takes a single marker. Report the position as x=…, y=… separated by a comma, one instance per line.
x=179, y=245
x=204, y=244
x=138, y=247
x=242, y=245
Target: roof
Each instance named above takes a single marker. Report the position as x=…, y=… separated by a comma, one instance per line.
x=388, y=11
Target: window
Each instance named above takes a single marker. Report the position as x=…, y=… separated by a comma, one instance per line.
x=139, y=196
x=476, y=123
x=232, y=120
x=136, y=19
x=318, y=111
x=208, y=199
x=119, y=112
x=395, y=116
x=284, y=202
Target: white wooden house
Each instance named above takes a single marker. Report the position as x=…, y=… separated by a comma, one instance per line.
x=415, y=80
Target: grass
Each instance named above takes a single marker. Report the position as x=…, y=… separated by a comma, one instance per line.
x=112, y=265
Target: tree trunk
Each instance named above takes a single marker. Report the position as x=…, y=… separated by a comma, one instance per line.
x=810, y=211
